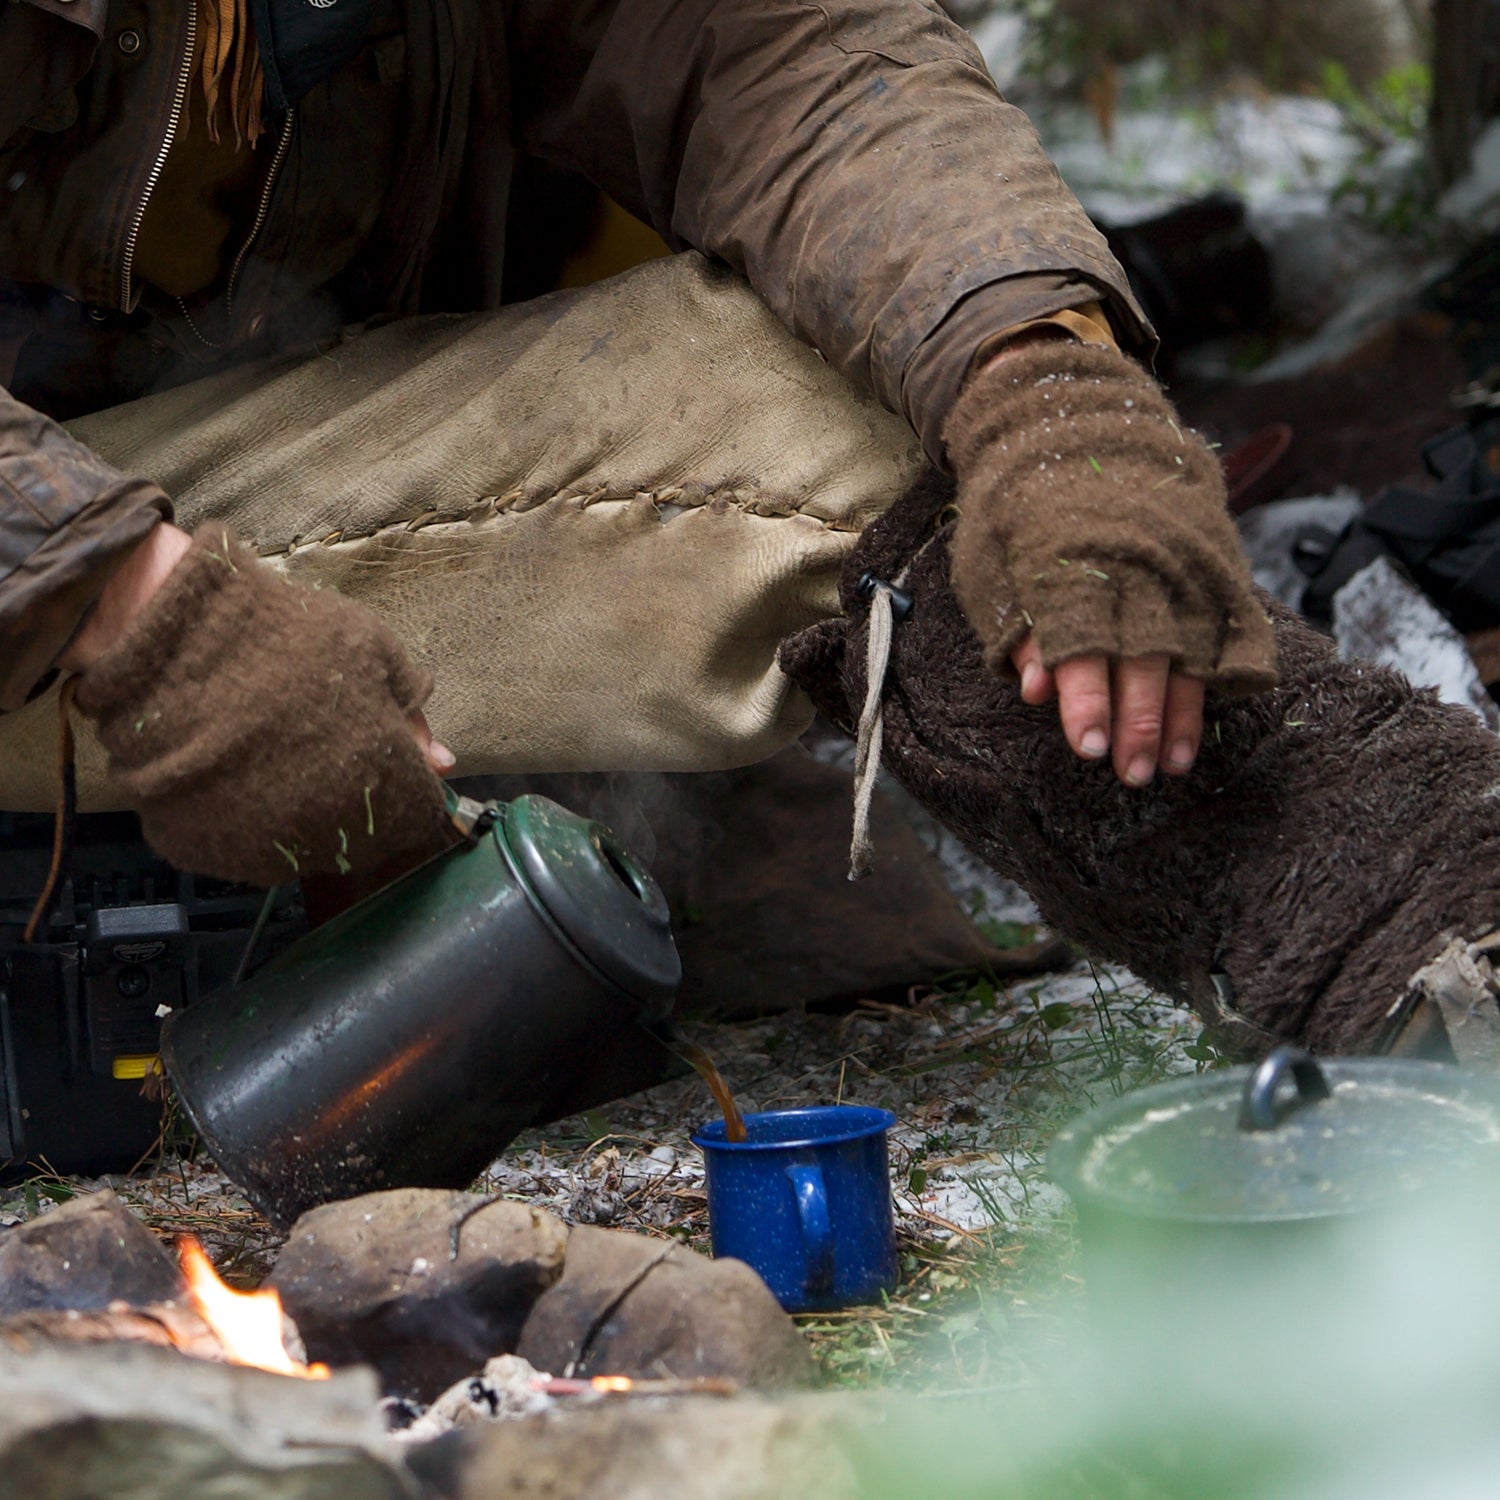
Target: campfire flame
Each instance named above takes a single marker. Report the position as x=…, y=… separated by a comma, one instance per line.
x=248, y=1324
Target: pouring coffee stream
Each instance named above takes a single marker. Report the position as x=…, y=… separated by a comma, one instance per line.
x=734, y=1121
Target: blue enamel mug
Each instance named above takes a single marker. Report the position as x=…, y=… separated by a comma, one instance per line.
x=806, y=1202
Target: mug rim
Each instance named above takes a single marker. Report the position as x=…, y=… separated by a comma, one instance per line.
x=876, y=1121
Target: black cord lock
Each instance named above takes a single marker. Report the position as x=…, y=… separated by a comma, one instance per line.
x=865, y=589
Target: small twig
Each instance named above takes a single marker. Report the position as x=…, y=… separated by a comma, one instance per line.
x=948, y=1224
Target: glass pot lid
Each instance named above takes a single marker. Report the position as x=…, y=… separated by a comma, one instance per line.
x=1294, y=1138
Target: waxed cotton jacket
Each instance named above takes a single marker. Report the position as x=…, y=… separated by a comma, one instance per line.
x=850, y=157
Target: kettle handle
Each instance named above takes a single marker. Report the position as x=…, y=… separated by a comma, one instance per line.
x=471, y=817
x=1260, y=1109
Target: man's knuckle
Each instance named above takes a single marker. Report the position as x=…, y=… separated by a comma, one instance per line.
x=1144, y=723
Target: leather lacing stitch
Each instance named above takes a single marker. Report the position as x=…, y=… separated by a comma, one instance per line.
x=518, y=502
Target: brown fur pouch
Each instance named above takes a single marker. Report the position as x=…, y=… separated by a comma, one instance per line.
x=1334, y=833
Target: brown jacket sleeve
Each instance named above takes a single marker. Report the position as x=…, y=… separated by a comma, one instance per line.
x=66, y=520
x=851, y=157
x=66, y=517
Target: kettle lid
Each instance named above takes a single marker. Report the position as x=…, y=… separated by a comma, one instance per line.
x=597, y=895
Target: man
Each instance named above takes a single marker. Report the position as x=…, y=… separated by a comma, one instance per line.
x=598, y=518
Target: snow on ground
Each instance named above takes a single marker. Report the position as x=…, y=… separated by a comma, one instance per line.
x=977, y=1085
x=1276, y=153
x=978, y=1078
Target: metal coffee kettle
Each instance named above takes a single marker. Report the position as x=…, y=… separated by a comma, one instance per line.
x=409, y=1039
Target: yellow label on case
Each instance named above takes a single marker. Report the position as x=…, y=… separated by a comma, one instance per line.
x=135, y=1067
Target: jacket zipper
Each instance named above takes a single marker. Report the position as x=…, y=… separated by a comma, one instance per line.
x=262, y=209
x=184, y=79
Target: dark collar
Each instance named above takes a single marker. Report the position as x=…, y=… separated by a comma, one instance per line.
x=301, y=41
x=86, y=13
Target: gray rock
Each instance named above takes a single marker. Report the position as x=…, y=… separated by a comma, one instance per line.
x=686, y=1448
x=374, y=1279
x=87, y=1253
x=628, y=1305
x=80, y=1422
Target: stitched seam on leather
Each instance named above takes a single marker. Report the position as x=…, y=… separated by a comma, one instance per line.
x=518, y=502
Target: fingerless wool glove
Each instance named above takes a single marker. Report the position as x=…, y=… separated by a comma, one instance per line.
x=1089, y=517
x=260, y=727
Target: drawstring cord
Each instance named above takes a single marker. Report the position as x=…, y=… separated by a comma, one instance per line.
x=888, y=604
x=66, y=814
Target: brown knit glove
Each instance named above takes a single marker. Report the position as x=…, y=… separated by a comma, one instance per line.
x=1091, y=518
x=260, y=728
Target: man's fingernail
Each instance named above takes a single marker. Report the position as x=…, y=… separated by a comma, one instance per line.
x=1180, y=756
x=444, y=756
x=1140, y=770
x=1029, y=679
x=1094, y=743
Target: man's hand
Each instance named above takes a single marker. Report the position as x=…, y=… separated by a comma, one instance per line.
x=1094, y=554
x=439, y=757
x=1138, y=708
x=131, y=587
x=262, y=730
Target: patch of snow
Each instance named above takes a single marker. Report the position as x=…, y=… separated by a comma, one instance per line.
x=1001, y=37
x=1267, y=533
x=1381, y=616
x=1474, y=200
x=1287, y=158
x=1274, y=152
